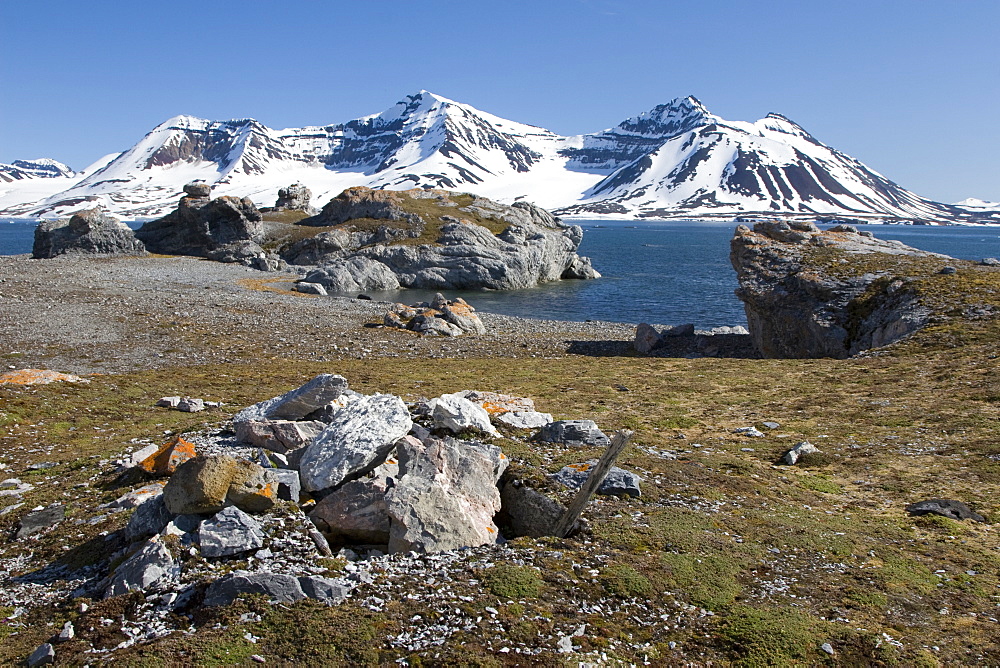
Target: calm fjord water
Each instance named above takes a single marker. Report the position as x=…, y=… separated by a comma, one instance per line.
x=663, y=273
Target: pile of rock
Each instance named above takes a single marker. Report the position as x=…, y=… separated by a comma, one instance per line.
x=91, y=232
x=375, y=474
x=439, y=317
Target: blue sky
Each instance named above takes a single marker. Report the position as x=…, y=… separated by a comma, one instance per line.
x=911, y=88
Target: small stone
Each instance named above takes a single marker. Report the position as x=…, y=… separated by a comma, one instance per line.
x=149, y=518
x=43, y=655
x=950, y=508
x=647, y=339
x=326, y=590
x=618, y=482
x=200, y=485
x=771, y=425
x=524, y=419
x=67, y=633
x=457, y=414
x=168, y=402
x=574, y=432
x=276, y=586
x=38, y=520
x=150, y=567
x=189, y=405
x=828, y=648
x=287, y=482
x=948, y=270
x=803, y=448
x=752, y=432
x=310, y=289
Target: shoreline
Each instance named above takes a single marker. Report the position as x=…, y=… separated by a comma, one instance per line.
x=94, y=314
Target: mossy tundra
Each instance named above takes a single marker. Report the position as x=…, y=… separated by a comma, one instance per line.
x=728, y=557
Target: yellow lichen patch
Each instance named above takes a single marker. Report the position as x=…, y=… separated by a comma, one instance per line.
x=272, y=285
x=38, y=377
x=494, y=409
x=579, y=467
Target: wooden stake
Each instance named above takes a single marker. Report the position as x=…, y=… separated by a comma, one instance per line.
x=593, y=481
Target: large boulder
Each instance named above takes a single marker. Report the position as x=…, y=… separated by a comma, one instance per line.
x=355, y=511
x=228, y=229
x=93, y=232
x=835, y=293
x=446, y=495
x=359, y=438
x=208, y=484
x=438, y=240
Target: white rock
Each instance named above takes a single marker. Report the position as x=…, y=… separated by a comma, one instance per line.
x=803, y=448
x=359, y=438
x=457, y=414
x=446, y=495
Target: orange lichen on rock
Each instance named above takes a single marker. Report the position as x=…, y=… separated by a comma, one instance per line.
x=37, y=377
x=171, y=454
x=495, y=403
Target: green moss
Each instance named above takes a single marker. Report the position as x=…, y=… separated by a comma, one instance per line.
x=759, y=636
x=625, y=582
x=709, y=581
x=821, y=483
x=903, y=574
x=512, y=582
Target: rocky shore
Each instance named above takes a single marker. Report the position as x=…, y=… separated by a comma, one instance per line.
x=114, y=314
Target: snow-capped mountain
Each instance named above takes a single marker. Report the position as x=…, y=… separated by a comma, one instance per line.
x=676, y=160
x=39, y=168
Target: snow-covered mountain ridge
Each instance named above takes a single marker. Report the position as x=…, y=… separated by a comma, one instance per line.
x=677, y=160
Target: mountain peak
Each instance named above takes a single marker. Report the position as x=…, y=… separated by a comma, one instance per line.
x=681, y=114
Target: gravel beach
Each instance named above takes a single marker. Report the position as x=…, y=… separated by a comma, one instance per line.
x=114, y=314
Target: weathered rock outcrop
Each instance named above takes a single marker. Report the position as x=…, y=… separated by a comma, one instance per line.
x=227, y=229
x=88, y=232
x=810, y=293
x=295, y=197
x=436, y=239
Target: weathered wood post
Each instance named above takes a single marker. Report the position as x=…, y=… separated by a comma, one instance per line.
x=593, y=481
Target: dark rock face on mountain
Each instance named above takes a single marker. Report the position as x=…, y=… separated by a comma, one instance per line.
x=677, y=160
x=227, y=229
x=88, y=232
x=809, y=293
x=43, y=168
x=436, y=239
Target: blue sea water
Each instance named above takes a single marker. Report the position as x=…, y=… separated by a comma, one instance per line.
x=662, y=273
